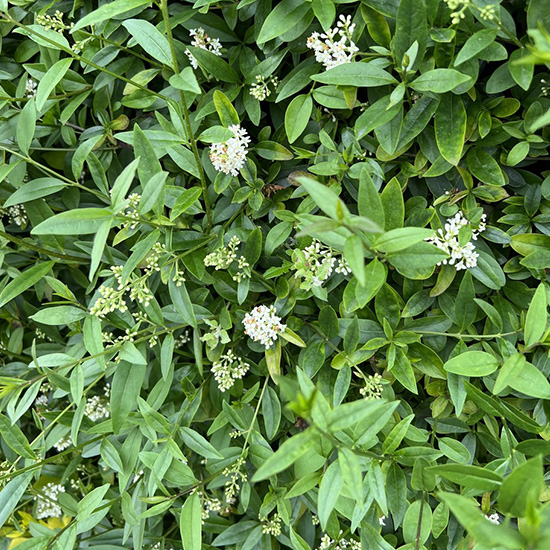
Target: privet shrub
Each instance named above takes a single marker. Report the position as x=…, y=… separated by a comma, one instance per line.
x=274, y=274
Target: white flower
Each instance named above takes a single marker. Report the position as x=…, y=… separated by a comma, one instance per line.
x=261, y=90
x=330, y=51
x=18, y=215
x=271, y=526
x=263, y=325
x=230, y=156
x=63, y=443
x=97, y=407
x=316, y=263
x=227, y=369
x=48, y=507
x=382, y=521
x=462, y=256
x=30, y=87
x=494, y=518
x=373, y=389
x=203, y=41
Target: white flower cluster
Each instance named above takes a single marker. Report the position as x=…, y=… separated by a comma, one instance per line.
x=373, y=387
x=132, y=213
x=30, y=87
x=114, y=299
x=340, y=544
x=203, y=41
x=260, y=90
x=459, y=7
x=331, y=51
x=97, y=407
x=17, y=214
x=263, y=325
x=227, y=369
x=63, y=443
x=54, y=22
x=236, y=477
x=488, y=13
x=494, y=518
x=154, y=265
x=462, y=256
x=230, y=156
x=316, y=263
x=157, y=546
x=224, y=256
x=47, y=506
x=271, y=526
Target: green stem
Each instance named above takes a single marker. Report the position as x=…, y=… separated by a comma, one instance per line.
x=193, y=142
x=461, y=336
x=24, y=244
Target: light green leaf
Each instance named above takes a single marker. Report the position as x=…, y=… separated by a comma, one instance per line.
x=150, y=39
x=438, y=81
x=450, y=127
x=108, y=11
x=82, y=221
x=24, y=281
x=50, y=80
x=472, y=363
x=362, y=75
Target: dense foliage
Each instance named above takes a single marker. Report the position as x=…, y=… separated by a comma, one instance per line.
x=274, y=274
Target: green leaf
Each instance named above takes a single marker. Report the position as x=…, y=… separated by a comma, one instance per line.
x=15, y=438
x=286, y=15
x=393, y=205
x=475, y=44
x=522, y=376
x=521, y=72
x=108, y=11
x=465, y=475
x=24, y=281
x=11, y=493
x=150, y=39
x=482, y=530
x=450, y=127
x=59, y=315
x=50, y=80
x=439, y=81
x=26, y=125
x=521, y=490
x=395, y=437
x=535, y=321
x=35, y=189
x=484, y=167
x=410, y=26
x=227, y=113
x=297, y=116
x=401, y=238
x=362, y=75
x=329, y=490
x=186, y=81
x=325, y=198
x=191, y=523
x=355, y=256
x=271, y=150
x=273, y=361
x=186, y=199
x=214, y=65
x=123, y=182
x=125, y=390
x=182, y=302
x=368, y=202
x=472, y=363
x=417, y=524
x=82, y=221
x=196, y=442
x=291, y=449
